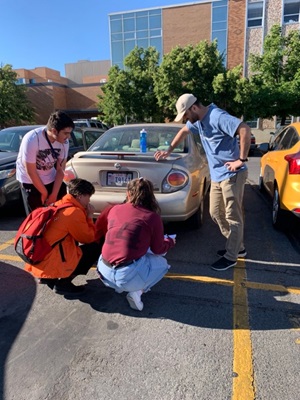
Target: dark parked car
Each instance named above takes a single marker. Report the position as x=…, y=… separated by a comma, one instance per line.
x=10, y=140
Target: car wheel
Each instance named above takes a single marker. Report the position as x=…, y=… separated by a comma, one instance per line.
x=278, y=215
x=260, y=184
x=196, y=220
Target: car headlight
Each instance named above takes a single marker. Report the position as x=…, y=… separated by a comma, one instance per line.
x=7, y=173
x=174, y=181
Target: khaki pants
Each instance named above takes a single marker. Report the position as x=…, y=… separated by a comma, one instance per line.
x=226, y=209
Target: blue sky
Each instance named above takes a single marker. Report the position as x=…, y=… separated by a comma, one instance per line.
x=52, y=33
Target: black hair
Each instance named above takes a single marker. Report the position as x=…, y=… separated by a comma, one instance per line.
x=141, y=193
x=77, y=187
x=60, y=120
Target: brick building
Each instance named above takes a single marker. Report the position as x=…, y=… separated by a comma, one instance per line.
x=239, y=26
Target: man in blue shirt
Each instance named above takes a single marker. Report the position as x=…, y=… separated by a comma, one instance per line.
x=226, y=160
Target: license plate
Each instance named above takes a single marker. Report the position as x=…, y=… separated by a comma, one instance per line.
x=118, y=179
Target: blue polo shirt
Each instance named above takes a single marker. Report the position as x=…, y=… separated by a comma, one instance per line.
x=217, y=132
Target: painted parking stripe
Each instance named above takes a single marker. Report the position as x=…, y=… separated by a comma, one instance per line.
x=243, y=375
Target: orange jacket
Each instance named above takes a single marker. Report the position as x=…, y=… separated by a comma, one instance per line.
x=73, y=223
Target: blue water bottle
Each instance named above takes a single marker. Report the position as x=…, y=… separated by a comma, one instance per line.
x=143, y=141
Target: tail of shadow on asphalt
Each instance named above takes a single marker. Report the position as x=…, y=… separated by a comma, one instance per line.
x=17, y=293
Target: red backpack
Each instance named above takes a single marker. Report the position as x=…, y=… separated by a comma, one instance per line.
x=30, y=243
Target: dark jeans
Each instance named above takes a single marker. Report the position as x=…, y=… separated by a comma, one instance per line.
x=32, y=196
x=90, y=255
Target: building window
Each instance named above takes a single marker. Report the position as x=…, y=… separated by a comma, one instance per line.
x=140, y=28
x=255, y=14
x=291, y=11
x=20, y=81
x=219, y=25
x=32, y=80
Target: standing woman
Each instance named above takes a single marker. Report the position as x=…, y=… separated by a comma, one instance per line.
x=133, y=228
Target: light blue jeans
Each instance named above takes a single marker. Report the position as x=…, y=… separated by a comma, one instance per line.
x=140, y=275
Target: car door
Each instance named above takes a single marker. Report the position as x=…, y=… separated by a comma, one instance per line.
x=276, y=167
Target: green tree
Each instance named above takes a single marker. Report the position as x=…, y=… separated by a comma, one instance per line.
x=275, y=76
x=188, y=69
x=129, y=94
x=15, y=108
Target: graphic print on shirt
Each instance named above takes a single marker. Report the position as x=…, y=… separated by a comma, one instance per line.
x=45, y=160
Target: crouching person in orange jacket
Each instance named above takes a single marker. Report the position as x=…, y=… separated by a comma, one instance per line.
x=79, y=249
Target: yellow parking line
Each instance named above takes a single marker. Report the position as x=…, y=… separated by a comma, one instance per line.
x=6, y=244
x=197, y=278
x=243, y=375
x=271, y=287
x=8, y=257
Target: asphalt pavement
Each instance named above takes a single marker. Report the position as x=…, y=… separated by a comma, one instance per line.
x=202, y=335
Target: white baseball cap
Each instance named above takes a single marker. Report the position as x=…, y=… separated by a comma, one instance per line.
x=184, y=102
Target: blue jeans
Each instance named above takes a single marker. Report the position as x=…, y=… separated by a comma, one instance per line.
x=140, y=275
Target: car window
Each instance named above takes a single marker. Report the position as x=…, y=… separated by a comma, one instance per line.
x=198, y=142
x=128, y=139
x=10, y=139
x=78, y=136
x=285, y=139
x=90, y=137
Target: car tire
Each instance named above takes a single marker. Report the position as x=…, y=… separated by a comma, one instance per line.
x=261, y=187
x=196, y=220
x=279, y=216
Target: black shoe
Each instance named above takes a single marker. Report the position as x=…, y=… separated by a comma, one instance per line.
x=223, y=264
x=64, y=286
x=49, y=282
x=242, y=253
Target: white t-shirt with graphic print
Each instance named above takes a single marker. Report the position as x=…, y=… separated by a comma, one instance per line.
x=35, y=149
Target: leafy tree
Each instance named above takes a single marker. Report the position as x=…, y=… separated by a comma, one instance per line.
x=14, y=105
x=129, y=94
x=187, y=69
x=275, y=76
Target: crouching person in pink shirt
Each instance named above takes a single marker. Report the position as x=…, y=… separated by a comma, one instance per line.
x=134, y=228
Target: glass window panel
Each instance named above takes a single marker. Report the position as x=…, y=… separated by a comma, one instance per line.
x=291, y=19
x=155, y=22
x=255, y=10
x=219, y=14
x=142, y=14
x=128, y=46
x=129, y=15
x=129, y=24
x=155, y=32
x=141, y=23
x=156, y=42
x=113, y=17
x=116, y=26
x=129, y=35
x=116, y=36
x=142, y=43
x=220, y=3
x=155, y=12
x=254, y=22
x=142, y=34
x=222, y=45
x=117, y=52
x=217, y=26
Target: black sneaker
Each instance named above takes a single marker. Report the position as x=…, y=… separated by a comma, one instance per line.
x=67, y=287
x=223, y=264
x=242, y=253
x=49, y=282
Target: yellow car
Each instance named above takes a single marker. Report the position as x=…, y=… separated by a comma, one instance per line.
x=280, y=174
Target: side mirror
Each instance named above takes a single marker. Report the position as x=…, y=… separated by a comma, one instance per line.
x=263, y=147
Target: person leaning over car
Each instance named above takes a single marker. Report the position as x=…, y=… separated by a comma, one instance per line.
x=73, y=224
x=226, y=160
x=41, y=161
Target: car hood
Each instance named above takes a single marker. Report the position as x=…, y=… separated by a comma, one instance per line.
x=7, y=158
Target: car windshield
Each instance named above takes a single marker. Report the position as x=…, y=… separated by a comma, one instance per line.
x=10, y=139
x=127, y=139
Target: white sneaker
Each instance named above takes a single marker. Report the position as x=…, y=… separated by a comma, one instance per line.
x=134, y=300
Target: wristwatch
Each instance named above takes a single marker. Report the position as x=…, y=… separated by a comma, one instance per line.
x=243, y=159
